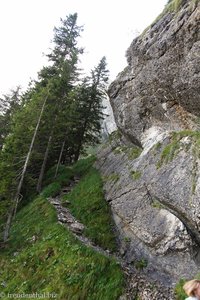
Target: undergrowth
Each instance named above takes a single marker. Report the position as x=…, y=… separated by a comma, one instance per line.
x=44, y=257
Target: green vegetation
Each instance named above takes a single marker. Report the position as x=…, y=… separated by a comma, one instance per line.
x=53, y=122
x=136, y=174
x=88, y=205
x=127, y=239
x=115, y=135
x=141, y=264
x=114, y=177
x=132, y=152
x=172, y=149
x=43, y=256
x=82, y=166
x=175, y=5
x=169, y=153
x=64, y=175
x=179, y=292
x=155, y=203
x=172, y=6
x=119, y=148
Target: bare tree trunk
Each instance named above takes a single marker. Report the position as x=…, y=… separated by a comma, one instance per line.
x=40, y=179
x=77, y=152
x=17, y=195
x=39, y=184
x=59, y=160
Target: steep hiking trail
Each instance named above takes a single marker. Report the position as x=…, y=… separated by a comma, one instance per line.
x=68, y=220
x=137, y=283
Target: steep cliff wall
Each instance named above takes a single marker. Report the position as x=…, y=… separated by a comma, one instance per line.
x=152, y=175
x=160, y=85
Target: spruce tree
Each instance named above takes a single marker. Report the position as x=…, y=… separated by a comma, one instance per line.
x=90, y=110
x=64, y=57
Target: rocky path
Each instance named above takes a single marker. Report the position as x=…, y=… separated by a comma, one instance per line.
x=137, y=285
x=68, y=220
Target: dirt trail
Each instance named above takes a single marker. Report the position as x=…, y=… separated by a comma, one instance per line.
x=138, y=286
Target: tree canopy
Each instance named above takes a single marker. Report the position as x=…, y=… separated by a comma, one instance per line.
x=51, y=122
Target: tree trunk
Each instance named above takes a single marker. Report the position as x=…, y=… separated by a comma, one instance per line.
x=59, y=160
x=77, y=152
x=17, y=195
x=40, y=179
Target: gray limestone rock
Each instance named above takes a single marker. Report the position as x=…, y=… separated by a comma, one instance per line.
x=161, y=84
x=151, y=176
x=157, y=212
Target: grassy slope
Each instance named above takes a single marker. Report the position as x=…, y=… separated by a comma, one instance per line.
x=87, y=204
x=45, y=257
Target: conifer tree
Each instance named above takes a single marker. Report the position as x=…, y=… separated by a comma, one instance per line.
x=9, y=104
x=17, y=196
x=90, y=113
x=52, y=122
x=64, y=57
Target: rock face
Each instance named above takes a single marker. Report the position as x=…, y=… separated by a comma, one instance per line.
x=151, y=175
x=161, y=84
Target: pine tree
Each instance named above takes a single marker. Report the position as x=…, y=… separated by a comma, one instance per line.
x=92, y=93
x=52, y=122
x=64, y=57
x=9, y=104
x=17, y=196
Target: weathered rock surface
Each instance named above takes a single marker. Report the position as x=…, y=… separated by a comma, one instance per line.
x=155, y=197
x=161, y=84
x=155, y=206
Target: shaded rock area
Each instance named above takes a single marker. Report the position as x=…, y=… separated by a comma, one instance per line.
x=151, y=175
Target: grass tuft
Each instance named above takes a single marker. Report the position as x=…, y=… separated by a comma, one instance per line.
x=135, y=175
x=83, y=165
x=179, y=292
